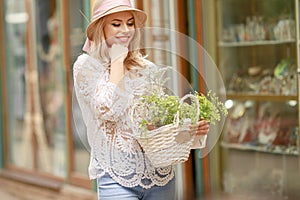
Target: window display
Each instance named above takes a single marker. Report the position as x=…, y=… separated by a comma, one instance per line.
x=258, y=58
x=258, y=62
x=36, y=86
x=16, y=98
x=78, y=19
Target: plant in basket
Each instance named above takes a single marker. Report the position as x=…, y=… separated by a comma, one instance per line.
x=164, y=122
x=211, y=107
x=159, y=110
x=162, y=109
x=166, y=119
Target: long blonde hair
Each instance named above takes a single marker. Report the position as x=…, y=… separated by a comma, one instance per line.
x=99, y=48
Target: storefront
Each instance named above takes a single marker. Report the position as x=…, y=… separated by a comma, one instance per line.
x=40, y=42
x=42, y=134
x=257, y=49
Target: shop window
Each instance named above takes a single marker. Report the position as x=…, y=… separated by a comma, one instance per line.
x=78, y=19
x=35, y=85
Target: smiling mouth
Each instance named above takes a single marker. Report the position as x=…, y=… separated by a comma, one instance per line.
x=123, y=38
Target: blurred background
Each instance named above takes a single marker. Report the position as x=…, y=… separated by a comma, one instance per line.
x=254, y=44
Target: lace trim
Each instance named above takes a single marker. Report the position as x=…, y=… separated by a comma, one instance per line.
x=105, y=111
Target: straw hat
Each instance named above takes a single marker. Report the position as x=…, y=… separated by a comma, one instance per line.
x=103, y=8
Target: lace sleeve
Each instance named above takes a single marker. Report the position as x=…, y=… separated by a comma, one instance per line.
x=104, y=98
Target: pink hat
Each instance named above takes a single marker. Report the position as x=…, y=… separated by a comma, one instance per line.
x=103, y=8
x=106, y=7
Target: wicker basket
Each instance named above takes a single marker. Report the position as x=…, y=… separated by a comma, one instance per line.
x=169, y=144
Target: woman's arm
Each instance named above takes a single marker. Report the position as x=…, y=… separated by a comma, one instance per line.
x=117, y=55
x=103, y=97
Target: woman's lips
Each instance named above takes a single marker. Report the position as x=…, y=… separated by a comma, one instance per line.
x=123, y=38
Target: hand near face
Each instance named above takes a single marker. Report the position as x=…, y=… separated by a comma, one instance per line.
x=118, y=52
x=117, y=55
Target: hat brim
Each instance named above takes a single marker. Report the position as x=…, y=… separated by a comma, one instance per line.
x=140, y=19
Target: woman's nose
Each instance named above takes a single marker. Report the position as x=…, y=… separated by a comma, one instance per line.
x=125, y=28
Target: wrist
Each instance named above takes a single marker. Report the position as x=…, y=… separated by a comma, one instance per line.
x=117, y=67
x=117, y=63
x=117, y=73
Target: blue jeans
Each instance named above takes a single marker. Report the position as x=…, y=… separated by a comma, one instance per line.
x=108, y=189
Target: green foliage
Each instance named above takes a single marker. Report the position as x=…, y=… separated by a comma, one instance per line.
x=211, y=108
x=188, y=111
x=160, y=110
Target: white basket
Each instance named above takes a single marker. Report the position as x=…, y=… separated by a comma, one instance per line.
x=169, y=144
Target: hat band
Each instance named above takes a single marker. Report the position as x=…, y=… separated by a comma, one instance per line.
x=108, y=5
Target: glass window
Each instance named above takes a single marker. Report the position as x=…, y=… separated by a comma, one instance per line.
x=78, y=19
x=257, y=55
x=16, y=19
x=35, y=86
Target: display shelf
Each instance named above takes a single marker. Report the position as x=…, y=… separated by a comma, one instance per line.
x=258, y=57
x=261, y=97
x=255, y=43
x=274, y=149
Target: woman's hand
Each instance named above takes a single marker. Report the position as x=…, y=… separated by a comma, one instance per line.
x=117, y=55
x=201, y=128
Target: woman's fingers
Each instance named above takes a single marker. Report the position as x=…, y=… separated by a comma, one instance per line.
x=117, y=52
x=201, y=128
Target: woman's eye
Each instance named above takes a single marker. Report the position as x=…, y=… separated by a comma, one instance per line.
x=130, y=23
x=116, y=25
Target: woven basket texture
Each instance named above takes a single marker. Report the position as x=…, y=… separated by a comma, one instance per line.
x=162, y=145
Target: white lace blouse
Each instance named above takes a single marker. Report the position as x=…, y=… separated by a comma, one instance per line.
x=105, y=109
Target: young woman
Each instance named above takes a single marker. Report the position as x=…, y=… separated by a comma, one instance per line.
x=106, y=78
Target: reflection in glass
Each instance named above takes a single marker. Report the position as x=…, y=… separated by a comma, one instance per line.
x=51, y=81
x=35, y=85
x=78, y=19
x=15, y=28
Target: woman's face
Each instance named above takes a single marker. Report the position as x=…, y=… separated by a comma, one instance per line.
x=119, y=28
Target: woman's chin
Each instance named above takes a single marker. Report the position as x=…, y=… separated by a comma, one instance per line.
x=125, y=44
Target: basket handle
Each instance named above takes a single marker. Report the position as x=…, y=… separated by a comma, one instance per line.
x=194, y=98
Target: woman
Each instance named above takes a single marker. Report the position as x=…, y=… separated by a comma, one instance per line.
x=107, y=78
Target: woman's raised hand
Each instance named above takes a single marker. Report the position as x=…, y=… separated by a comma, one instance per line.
x=117, y=55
